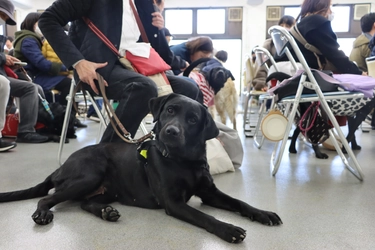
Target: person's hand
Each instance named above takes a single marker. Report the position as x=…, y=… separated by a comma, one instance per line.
x=364, y=73
x=187, y=65
x=157, y=20
x=86, y=71
x=264, y=89
x=10, y=60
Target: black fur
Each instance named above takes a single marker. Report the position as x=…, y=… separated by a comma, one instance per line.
x=174, y=171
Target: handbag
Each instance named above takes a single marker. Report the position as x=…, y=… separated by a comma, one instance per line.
x=12, y=120
x=313, y=126
x=153, y=67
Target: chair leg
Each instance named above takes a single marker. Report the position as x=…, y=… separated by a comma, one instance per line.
x=278, y=150
x=66, y=121
x=262, y=109
x=355, y=168
x=245, y=110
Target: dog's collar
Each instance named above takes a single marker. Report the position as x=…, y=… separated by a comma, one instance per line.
x=144, y=147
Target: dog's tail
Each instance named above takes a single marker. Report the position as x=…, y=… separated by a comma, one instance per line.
x=39, y=190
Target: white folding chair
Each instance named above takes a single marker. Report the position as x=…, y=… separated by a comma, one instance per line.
x=262, y=55
x=281, y=38
x=250, y=73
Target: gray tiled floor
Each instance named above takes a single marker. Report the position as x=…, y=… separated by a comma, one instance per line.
x=323, y=206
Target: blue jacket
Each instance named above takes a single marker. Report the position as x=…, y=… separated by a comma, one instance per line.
x=27, y=47
x=183, y=52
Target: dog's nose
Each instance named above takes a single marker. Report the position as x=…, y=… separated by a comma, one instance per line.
x=172, y=130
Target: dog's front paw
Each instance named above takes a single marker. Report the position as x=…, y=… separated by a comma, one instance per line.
x=42, y=217
x=110, y=214
x=231, y=233
x=266, y=218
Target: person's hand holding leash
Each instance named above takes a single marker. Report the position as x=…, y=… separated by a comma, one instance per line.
x=86, y=71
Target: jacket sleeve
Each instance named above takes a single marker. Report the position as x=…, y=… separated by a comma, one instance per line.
x=326, y=41
x=33, y=53
x=55, y=18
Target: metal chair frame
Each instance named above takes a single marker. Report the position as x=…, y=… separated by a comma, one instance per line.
x=281, y=38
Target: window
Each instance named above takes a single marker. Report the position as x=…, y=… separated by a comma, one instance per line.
x=211, y=21
x=292, y=11
x=185, y=27
x=341, y=22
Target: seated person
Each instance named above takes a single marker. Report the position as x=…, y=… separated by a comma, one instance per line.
x=89, y=55
x=4, y=96
x=315, y=26
x=192, y=50
x=26, y=91
x=361, y=48
x=259, y=81
x=46, y=73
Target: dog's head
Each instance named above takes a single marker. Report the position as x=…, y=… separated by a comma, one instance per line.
x=217, y=77
x=182, y=126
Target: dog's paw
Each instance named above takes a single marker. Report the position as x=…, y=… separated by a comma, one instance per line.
x=110, y=214
x=321, y=155
x=42, y=217
x=266, y=218
x=231, y=233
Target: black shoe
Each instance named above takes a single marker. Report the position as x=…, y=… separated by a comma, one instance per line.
x=31, y=137
x=5, y=145
x=77, y=123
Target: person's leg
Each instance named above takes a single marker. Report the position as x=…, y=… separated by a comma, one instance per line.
x=186, y=86
x=29, y=102
x=64, y=88
x=4, y=97
x=133, y=91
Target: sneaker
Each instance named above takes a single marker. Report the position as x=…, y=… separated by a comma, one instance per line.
x=368, y=119
x=5, y=145
x=77, y=123
x=94, y=117
x=31, y=137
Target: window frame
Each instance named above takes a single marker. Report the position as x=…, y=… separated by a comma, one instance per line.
x=233, y=29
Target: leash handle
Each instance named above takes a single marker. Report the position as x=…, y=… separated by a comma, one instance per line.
x=112, y=116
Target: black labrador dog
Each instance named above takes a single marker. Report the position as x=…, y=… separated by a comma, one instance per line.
x=161, y=173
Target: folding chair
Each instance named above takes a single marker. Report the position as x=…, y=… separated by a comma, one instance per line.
x=281, y=38
x=263, y=55
x=248, y=94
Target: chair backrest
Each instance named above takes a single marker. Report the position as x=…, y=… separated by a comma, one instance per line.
x=262, y=56
x=281, y=39
x=370, y=61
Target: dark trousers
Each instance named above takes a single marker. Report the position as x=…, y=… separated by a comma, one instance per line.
x=133, y=91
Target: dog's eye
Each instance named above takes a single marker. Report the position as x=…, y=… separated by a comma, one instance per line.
x=193, y=120
x=170, y=110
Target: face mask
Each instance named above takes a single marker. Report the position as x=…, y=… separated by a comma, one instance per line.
x=38, y=31
x=331, y=16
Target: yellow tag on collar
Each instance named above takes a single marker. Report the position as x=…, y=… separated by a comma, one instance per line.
x=143, y=153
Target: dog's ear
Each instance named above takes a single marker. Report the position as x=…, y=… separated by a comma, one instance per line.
x=210, y=128
x=156, y=104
